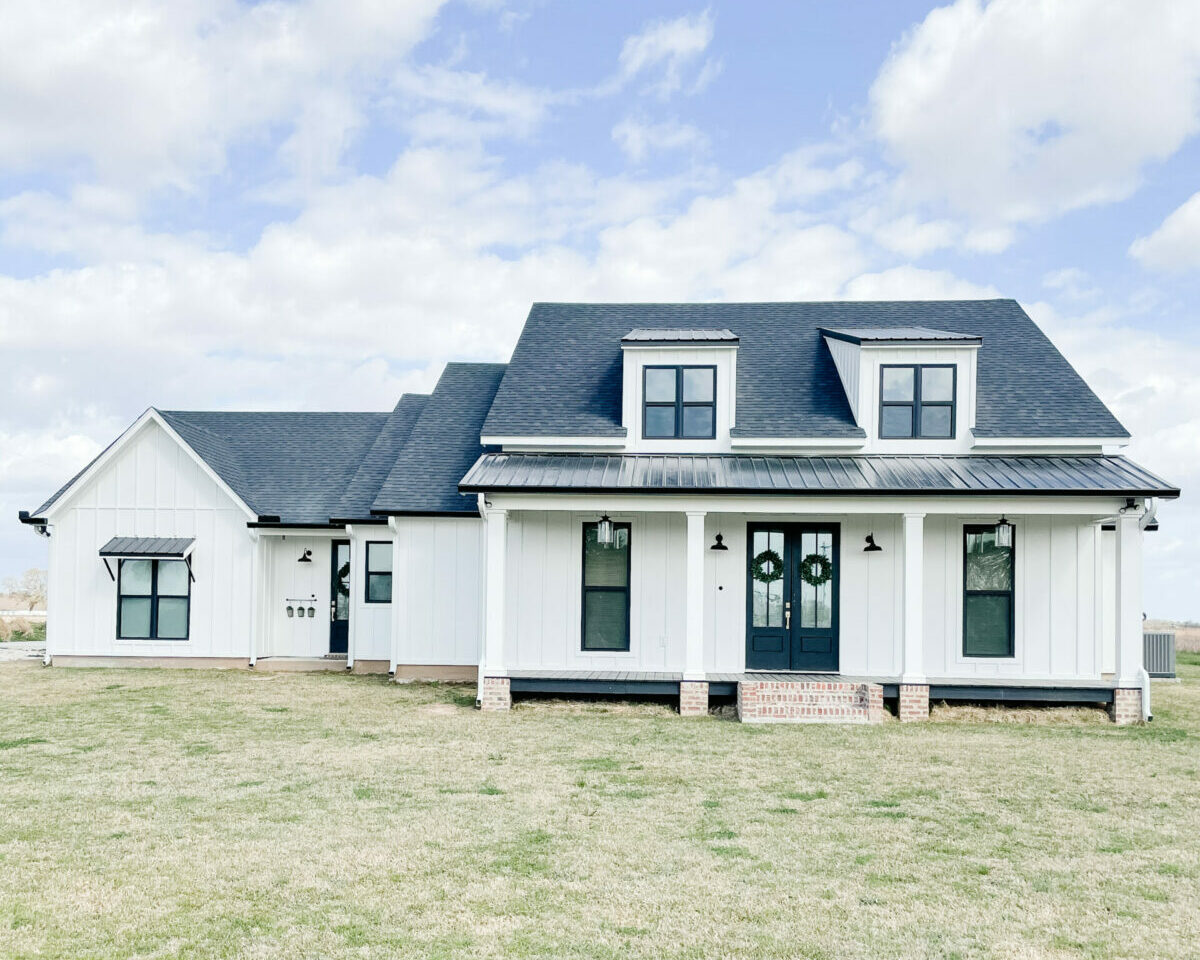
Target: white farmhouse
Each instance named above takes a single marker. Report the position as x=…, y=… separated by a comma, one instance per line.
x=814, y=508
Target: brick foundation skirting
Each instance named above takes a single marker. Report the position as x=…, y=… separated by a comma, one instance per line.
x=1126, y=706
x=693, y=698
x=785, y=701
x=496, y=694
x=914, y=702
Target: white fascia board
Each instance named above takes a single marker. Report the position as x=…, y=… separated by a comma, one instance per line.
x=798, y=443
x=312, y=533
x=150, y=416
x=1050, y=443
x=554, y=443
x=964, y=505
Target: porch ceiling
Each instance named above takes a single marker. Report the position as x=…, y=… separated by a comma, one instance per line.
x=921, y=475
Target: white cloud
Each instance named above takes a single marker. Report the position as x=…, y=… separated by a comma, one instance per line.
x=639, y=138
x=1175, y=245
x=912, y=283
x=666, y=49
x=150, y=94
x=1071, y=282
x=1021, y=109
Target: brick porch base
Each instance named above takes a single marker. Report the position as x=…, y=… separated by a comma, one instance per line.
x=496, y=695
x=914, y=702
x=809, y=701
x=1126, y=706
x=693, y=698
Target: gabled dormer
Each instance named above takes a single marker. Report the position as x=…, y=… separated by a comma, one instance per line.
x=679, y=389
x=911, y=389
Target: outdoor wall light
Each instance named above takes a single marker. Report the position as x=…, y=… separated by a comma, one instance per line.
x=720, y=544
x=604, y=531
x=306, y=556
x=872, y=546
x=291, y=610
x=1004, y=533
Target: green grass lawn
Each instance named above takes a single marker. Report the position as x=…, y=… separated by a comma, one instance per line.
x=156, y=813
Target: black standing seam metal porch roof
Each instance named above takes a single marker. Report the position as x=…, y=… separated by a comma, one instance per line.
x=946, y=475
x=163, y=548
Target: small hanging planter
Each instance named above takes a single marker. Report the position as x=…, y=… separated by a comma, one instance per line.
x=767, y=567
x=816, y=569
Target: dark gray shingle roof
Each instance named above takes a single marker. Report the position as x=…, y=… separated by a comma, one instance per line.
x=565, y=375
x=657, y=473
x=295, y=466
x=442, y=445
x=355, y=504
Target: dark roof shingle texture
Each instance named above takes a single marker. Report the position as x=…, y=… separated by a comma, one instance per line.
x=442, y=445
x=565, y=375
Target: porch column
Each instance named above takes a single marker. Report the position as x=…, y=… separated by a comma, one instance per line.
x=493, y=679
x=693, y=662
x=1127, y=701
x=914, y=688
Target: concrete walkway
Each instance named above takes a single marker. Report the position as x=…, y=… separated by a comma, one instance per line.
x=22, y=650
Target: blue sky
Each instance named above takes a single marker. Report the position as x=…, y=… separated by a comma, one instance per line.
x=316, y=204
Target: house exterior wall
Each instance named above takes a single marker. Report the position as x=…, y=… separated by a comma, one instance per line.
x=150, y=488
x=370, y=623
x=1059, y=595
x=437, y=590
x=290, y=582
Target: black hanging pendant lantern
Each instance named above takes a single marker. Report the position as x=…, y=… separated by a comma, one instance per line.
x=1004, y=533
x=604, y=531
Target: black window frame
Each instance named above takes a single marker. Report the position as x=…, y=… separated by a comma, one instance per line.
x=917, y=404
x=585, y=589
x=1010, y=593
x=680, y=404
x=154, y=597
x=368, y=573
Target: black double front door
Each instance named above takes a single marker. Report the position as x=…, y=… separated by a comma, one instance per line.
x=792, y=596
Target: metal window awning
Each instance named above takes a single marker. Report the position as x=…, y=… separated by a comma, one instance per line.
x=148, y=548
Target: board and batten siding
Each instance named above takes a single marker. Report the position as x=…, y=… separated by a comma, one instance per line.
x=292, y=582
x=150, y=488
x=1060, y=591
x=544, y=593
x=437, y=591
x=370, y=623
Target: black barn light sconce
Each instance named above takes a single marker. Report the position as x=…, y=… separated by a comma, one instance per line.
x=720, y=544
x=305, y=557
x=872, y=546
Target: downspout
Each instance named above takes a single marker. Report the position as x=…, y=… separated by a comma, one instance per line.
x=256, y=604
x=1147, y=716
x=398, y=576
x=350, y=639
x=44, y=531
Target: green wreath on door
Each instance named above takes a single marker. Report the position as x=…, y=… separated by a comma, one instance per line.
x=816, y=569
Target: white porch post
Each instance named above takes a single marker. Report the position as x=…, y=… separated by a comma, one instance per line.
x=913, y=670
x=1129, y=601
x=693, y=663
x=399, y=608
x=492, y=664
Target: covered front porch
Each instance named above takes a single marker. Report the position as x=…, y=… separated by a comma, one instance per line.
x=723, y=596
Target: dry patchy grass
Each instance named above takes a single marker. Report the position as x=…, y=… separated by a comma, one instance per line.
x=157, y=813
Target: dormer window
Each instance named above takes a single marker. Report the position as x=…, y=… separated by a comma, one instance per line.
x=679, y=402
x=917, y=400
